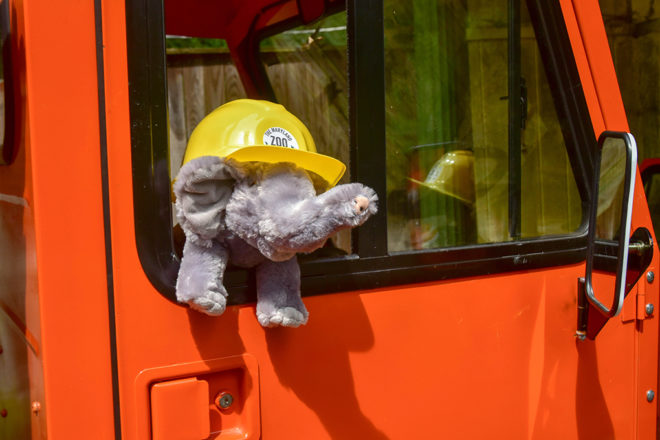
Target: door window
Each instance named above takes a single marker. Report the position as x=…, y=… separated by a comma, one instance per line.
x=468, y=124
x=466, y=162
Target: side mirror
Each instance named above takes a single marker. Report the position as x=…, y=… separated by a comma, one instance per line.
x=609, y=221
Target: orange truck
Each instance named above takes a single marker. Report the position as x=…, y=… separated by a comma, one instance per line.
x=507, y=288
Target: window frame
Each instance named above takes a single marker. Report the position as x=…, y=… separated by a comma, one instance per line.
x=371, y=265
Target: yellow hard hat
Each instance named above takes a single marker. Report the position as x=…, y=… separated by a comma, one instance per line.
x=248, y=130
x=452, y=175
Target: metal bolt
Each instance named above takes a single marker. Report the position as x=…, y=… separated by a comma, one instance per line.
x=36, y=407
x=649, y=309
x=224, y=400
x=650, y=395
x=650, y=276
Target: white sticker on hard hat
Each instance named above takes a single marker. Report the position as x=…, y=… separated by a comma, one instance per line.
x=280, y=137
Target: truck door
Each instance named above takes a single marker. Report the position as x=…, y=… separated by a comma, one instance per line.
x=450, y=314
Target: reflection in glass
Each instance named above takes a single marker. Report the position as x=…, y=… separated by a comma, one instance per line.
x=307, y=68
x=447, y=114
x=610, y=188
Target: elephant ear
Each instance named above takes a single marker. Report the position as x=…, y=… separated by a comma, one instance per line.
x=202, y=189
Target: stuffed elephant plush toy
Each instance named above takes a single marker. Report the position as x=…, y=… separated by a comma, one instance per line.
x=257, y=216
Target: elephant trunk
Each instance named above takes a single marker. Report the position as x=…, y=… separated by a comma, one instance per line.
x=283, y=216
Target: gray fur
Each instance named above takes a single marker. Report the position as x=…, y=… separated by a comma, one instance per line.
x=278, y=294
x=200, y=277
x=257, y=216
x=203, y=188
x=282, y=216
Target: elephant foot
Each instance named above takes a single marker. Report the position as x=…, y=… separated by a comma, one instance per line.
x=212, y=303
x=285, y=317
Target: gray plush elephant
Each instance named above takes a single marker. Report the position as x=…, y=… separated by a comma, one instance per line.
x=257, y=215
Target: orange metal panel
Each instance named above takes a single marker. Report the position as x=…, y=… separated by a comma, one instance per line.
x=648, y=330
x=599, y=58
x=613, y=113
x=601, y=67
x=62, y=136
x=583, y=67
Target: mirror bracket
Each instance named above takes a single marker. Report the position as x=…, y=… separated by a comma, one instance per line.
x=640, y=253
x=590, y=319
x=583, y=311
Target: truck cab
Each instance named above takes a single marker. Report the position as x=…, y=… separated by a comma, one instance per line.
x=506, y=288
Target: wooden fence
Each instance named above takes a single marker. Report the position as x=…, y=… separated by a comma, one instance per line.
x=309, y=82
x=197, y=83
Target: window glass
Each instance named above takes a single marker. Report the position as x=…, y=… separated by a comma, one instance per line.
x=447, y=127
x=634, y=40
x=200, y=77
x=307, y=68
x=611, y=186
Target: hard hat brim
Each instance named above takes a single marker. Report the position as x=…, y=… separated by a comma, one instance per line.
x=329, y=168
x=442, y=190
